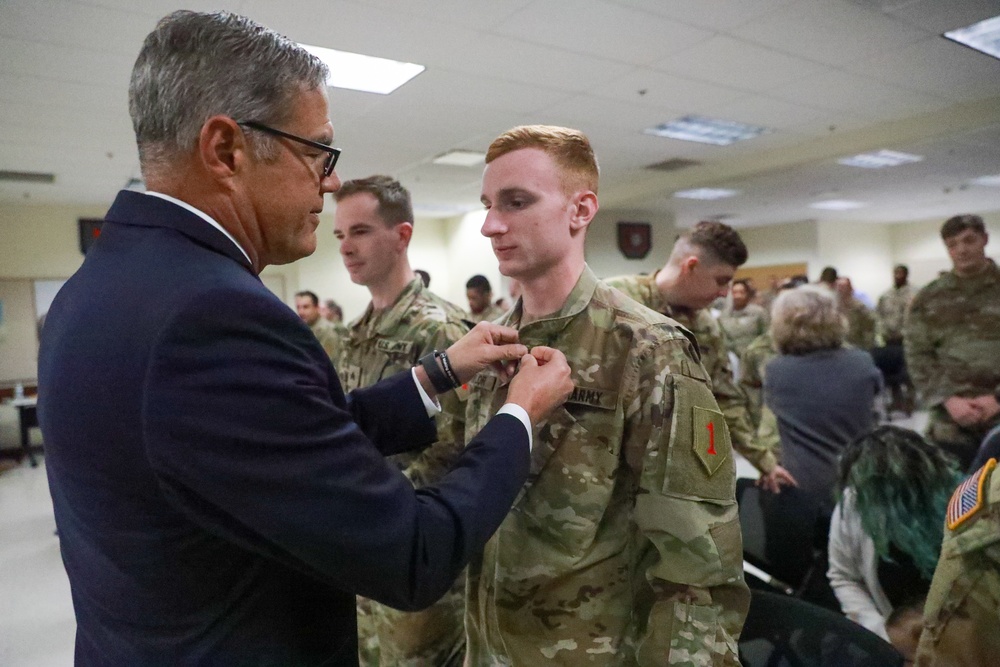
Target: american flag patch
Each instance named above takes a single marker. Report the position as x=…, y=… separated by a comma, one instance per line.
x=968, y=497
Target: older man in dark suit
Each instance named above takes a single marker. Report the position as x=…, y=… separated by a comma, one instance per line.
x=219, y=500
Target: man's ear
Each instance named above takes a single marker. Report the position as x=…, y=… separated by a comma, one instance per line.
x=404, y=231
x=584, y=209
x=222, y=147
x=689, y=263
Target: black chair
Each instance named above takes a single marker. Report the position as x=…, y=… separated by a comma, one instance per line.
x=782, y=631
x=785, y=535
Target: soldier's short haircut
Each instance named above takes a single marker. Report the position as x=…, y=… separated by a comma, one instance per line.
x=310, y=295
x=714, y=242
x=828, y=275
x=479, y=283
x=570, y=149
x=806, y=319
x=902, y=267
x=959, y=223
x=394, y=205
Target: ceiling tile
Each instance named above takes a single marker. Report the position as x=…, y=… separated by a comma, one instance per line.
x=583, y=26
x=738, y=64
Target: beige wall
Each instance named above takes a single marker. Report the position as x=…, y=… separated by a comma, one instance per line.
x=40, y=242
x=603, y=254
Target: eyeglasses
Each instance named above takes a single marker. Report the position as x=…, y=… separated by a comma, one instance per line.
x=332, y=154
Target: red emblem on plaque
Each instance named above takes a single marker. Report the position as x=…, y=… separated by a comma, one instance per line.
x=635, y=239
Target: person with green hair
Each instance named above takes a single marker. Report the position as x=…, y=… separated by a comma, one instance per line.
x=886, y=530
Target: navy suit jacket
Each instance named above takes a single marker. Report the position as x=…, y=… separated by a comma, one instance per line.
x=219, y=500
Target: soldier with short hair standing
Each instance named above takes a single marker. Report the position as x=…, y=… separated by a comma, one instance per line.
x=700, y=268
x=403, y=322
x=952, y=341
x=624, y=547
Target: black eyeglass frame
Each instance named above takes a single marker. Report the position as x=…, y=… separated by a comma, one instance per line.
x=333, y=153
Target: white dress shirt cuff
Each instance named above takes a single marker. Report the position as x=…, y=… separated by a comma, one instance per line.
x=515, y=410
x=433, y=405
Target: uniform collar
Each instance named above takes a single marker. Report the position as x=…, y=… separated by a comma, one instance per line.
x=388, y=320
x=550, y=325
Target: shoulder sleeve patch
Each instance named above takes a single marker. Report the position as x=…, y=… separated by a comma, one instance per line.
x=710, y=438
x=700, y=462
x=969, y=497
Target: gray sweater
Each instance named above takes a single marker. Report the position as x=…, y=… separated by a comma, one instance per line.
x=823, y=401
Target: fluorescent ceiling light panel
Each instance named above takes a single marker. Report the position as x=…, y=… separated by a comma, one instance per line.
x=992, y=181
x=880, y=159
x=837, y=205
x=461, y=158
x=706, y=193
x=983, y=36
x=707, y=130
x=369, y=74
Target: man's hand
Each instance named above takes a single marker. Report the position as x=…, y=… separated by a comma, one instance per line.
x=542, y=383
x=777, y=478
x=486, y=345
x=988, y=406
x=965, y=411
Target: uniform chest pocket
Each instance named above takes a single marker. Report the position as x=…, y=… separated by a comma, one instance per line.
x=575, y=483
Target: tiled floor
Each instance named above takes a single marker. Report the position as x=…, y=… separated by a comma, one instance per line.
x=37, y=626
x=36, y=613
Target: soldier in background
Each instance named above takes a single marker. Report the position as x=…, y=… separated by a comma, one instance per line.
x=624, y=547
x=960, y=615
x=479, y=292
x=742, y=321
x=952, y=341
x=890, y=359
x=860, y=319
x=403, y=322
x=699, y=269
x=307, y=307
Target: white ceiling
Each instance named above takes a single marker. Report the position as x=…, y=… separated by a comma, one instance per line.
x=831, y=77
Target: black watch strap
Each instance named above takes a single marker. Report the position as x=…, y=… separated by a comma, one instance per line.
x=437, y=377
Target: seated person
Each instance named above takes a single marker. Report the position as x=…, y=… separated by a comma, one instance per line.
x=885, y=535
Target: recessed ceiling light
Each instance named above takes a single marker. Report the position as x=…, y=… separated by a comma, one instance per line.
x=880, y=159
x=992, y=181
x=461, y=158
x=837, y=205
x=707, y=130
x=983, y=36
x=706, y=193
x=369, y=74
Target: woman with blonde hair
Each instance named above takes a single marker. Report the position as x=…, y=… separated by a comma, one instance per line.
x=821, y=391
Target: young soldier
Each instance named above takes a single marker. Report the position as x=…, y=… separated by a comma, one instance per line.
x=699, y=269
x=952, y=340
x=624, y=547
x=403, y=322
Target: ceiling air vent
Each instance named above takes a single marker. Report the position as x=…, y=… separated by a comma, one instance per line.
x=673, y=164
x=26, y=177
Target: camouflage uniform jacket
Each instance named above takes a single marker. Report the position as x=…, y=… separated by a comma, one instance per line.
x=860, y=324
x=960, y=615
x=488, y=314
x=378, y=345
x=714, y=357
x=743, y=326
x=329, y=335
x=953, y=336
x=752, y=363
x=891, y=312
x=624, y=547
